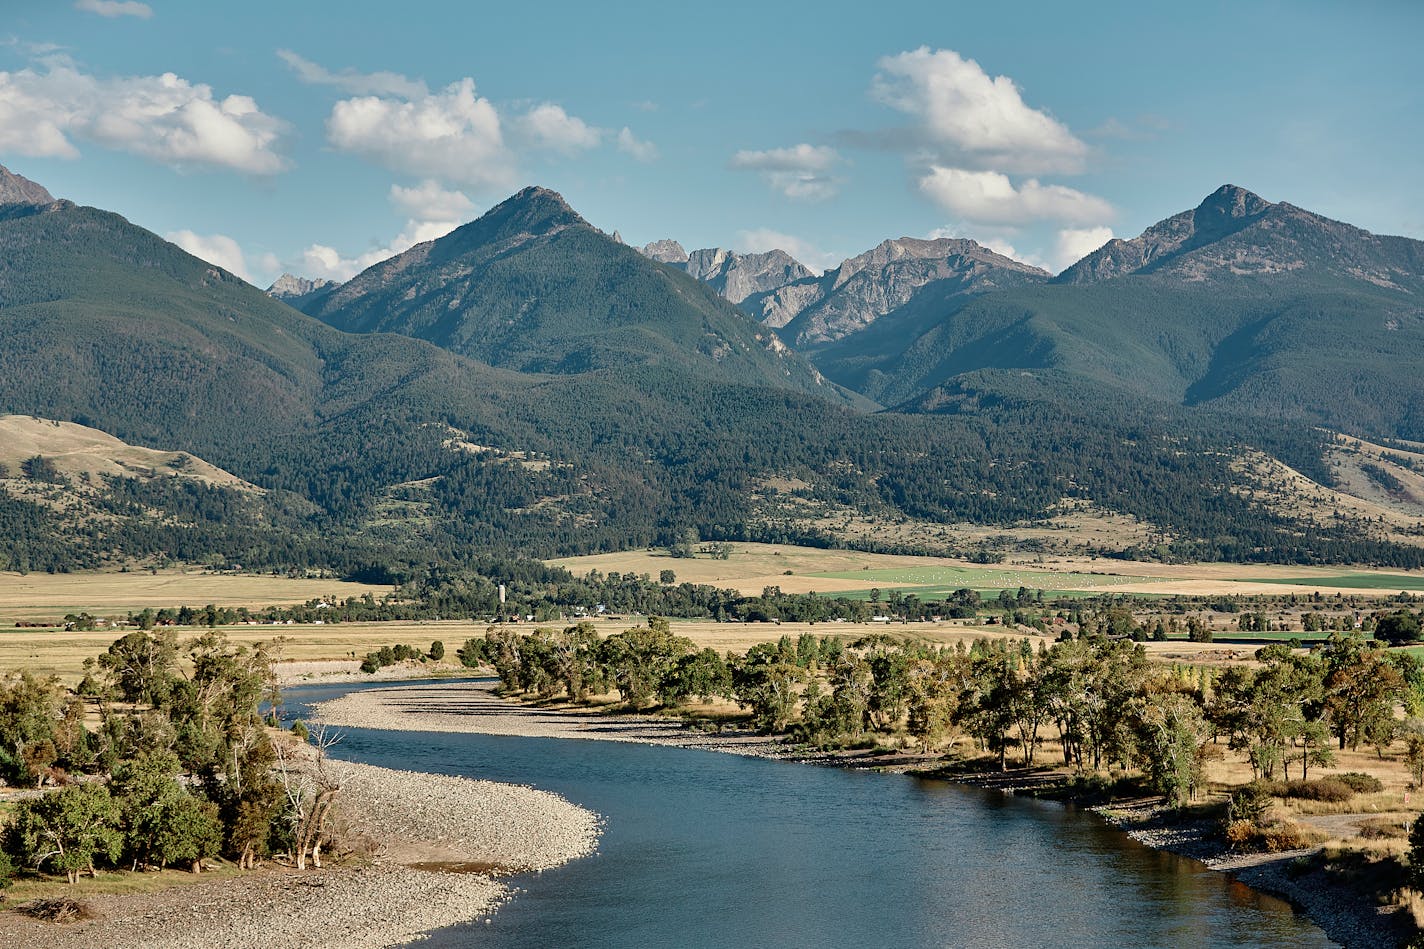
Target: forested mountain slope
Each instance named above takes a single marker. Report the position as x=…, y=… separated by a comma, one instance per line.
x=532, y=286
x=1240, y=304
x=378, y=454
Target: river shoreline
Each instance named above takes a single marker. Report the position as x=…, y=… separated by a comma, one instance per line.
x=475, y=707
x=438, y=846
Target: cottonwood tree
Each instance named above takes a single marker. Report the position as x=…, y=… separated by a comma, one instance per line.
x=1171, y=730
x=66, y=831
x=1361, y=689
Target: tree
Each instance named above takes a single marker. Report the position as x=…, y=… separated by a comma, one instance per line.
x=1398, y=628
x=1416, y=854
x=704, y=674
x=161, y=822
x=40, y=468
x=1197, y=631
x=1171, y=731
x=1361, y=689
x=639, y=659
x=143, y=666
x=437, y=650
x=67, y=830
x=30, y=712
x=667, y=577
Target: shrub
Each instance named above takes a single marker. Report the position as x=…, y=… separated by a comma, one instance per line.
x=299, y=728
x=1329, y=790
x=1248, y=803
x=1360, y=783
x=437, y=650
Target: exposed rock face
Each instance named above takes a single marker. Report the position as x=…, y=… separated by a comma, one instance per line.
x=843, y=301
x=1236, y=233
x=738, y=276
x=299, y=291
x=666, y=252
x=16, y=189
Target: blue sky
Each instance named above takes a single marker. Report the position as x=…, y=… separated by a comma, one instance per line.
x=317, y=137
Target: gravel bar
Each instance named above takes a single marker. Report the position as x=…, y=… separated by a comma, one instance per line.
x=437, y=840
x=474, y=707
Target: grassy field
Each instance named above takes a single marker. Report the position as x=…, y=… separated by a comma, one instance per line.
x=1383, y=582
x=42, y=597
x=938, y=581
x=753, y=567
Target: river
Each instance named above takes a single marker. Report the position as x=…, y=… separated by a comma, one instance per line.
x=703, y=849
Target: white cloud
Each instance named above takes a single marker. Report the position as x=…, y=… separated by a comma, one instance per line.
x=164, y=118
x=356, y=83
x=971, y=119
x=319, y=260
x=988, y=197
x=799, y=171
x=429, y=202
x=646, y=105
x=216, y=249
x=1073, y=244
x=115, y=8
x=549, y=126
x=641, y=149
x=762, y=239
x=801, y=157
x=453, y=135
x=432, y=211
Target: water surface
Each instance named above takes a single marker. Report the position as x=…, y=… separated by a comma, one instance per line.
x=708, y=850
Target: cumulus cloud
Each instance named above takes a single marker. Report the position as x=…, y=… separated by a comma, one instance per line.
x=762, y=239
x=970, y=119
x=640, y=149
x=164, y=118
x=319, y=260
x=800, y=171
x=351, y=81
x=454, y=135
x=431, y=212
x=988, y=197
x=549, y=126
x=216, y=249
x=1073, y=244
x=115, y=8
x=429, y=202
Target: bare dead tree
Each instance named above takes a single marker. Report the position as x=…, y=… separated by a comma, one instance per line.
x=310, y=789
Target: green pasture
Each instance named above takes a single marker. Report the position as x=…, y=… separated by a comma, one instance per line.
x=1391, y=582
x=937, y=582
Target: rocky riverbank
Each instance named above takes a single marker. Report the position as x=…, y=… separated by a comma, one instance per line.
x=1345, y=916
x=427, y=834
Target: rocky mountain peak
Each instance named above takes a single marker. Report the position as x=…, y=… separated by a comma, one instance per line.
x=666, y=251
x=533, y=210
x=1233, y=201
x=17, y=189
x=1226, y=211
x=292, y=285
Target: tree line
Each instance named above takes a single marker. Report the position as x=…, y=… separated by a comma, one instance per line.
x=1097, y=699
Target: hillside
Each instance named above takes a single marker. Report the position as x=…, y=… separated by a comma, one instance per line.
x=531, y=286
x=1240, y=304
x=89, y=454
x=379, y=455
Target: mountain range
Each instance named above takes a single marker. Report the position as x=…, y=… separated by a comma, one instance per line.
x=528, y=382
x=1239, y=303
